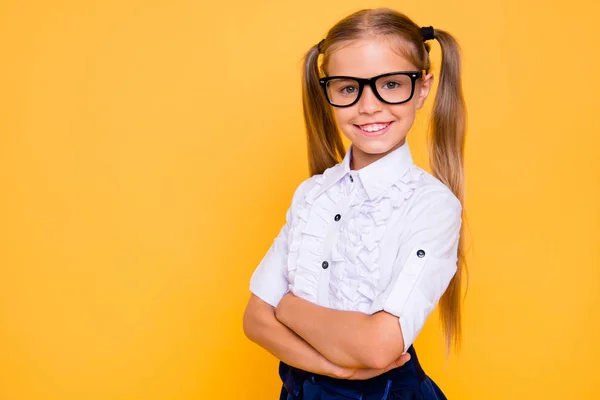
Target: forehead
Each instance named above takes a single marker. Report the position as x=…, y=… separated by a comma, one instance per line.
x=367, y=57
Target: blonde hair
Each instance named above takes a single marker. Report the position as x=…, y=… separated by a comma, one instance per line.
x=448, y=119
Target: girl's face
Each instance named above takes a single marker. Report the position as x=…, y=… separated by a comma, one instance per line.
x=365, y=58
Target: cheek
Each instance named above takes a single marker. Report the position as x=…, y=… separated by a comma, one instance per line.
x=343, y=115
x=343, y=119
x=404, y=111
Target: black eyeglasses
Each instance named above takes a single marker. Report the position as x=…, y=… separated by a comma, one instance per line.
x=391, y=88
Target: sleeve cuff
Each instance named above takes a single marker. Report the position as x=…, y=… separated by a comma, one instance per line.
x=267, y=293
x=417, y=290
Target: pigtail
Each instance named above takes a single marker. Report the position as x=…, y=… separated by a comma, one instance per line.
x=446, y=154
x=324, y=142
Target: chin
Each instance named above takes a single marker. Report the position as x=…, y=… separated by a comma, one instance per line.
x=377, y=146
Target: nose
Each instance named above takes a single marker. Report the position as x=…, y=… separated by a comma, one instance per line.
x=368, y=102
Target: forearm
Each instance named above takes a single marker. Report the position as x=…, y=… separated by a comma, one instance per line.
x=331, y=333
x=262, y=327
x=347, y=338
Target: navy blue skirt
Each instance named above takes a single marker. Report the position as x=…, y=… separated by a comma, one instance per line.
x=407, y=382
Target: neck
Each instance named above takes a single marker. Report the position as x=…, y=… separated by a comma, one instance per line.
x=361, y=159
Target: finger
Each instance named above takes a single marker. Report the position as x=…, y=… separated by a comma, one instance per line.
x=400, y=361
x=404, y=358
x=367, y=373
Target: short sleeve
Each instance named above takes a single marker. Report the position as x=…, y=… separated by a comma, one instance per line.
x=425, y=264
x=269, y=280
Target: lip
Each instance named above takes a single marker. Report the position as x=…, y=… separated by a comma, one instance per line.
x=374, y=134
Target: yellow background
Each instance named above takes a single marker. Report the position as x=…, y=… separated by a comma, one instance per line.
x=149, y=150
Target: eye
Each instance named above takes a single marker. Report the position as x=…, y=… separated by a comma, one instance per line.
x=348, y=89
x=391, y=85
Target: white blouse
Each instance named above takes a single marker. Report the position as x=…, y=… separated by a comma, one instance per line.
x=384, y=237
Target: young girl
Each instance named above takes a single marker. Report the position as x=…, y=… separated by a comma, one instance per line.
x=371, y=241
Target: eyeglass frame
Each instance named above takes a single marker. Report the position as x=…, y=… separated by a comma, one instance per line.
x=413, y=75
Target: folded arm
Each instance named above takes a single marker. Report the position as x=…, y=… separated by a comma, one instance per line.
x=346, y=338
x=262, y=327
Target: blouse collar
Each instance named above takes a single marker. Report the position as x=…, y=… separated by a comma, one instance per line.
x=376, y=177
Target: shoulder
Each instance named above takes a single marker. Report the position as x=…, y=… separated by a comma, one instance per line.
x=312, y=185
x=303, y=188
x=431, y=195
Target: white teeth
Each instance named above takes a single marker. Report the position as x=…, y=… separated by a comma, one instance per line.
x=373, y=127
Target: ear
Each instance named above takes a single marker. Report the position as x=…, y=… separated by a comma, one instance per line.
x=423, y=90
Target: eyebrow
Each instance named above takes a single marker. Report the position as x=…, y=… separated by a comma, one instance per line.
x=384, y=73
x=414, y=71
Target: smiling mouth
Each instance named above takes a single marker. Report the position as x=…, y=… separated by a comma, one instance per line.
x=374, y=128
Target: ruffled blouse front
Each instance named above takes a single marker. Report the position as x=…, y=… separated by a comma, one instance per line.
x=384, y=237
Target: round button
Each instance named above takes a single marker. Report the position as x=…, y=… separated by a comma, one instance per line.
x=351, y=178
x=420, y=254
x=325, y=265
x=337, y=217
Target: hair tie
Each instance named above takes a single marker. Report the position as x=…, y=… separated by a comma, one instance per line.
x=320, y=46
x=427, y=33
